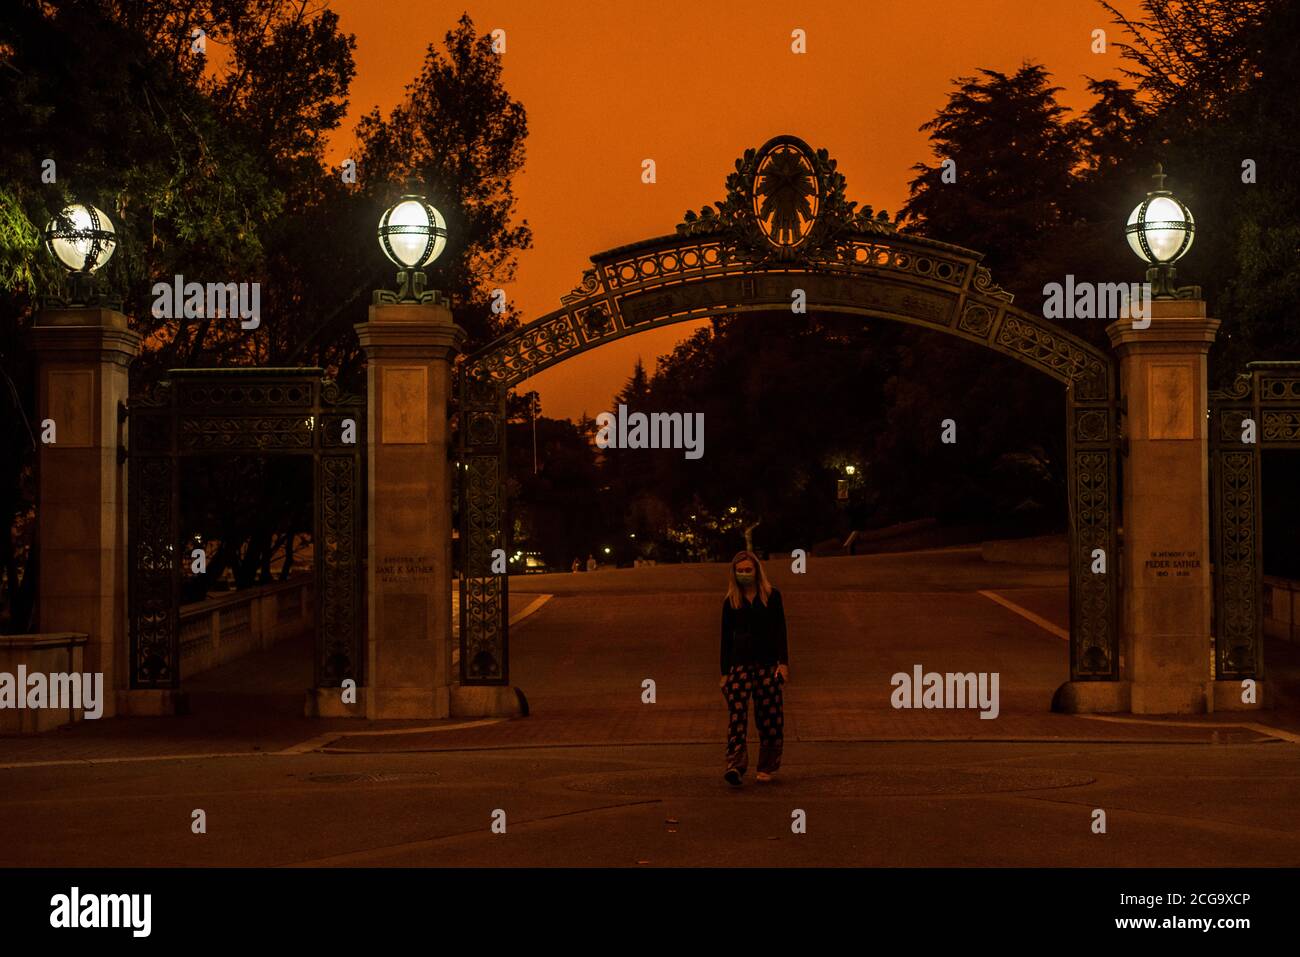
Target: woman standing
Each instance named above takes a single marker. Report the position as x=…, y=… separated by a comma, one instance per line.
x=754, y=665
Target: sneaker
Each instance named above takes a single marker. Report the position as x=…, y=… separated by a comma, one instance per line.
x=763, y=776
x=732, y=777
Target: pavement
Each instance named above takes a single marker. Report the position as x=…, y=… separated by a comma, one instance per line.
x=596, y=775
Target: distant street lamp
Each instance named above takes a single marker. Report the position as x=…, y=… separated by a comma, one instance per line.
x=850, y=470
x=412, y=234
x=1160, y=230
x=82, y=239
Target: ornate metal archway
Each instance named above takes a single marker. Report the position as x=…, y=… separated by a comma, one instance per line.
x=195, y=412
x=787, y=225
x=1259, y=411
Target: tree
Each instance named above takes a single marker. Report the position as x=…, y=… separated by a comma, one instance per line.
x=207, y=149
x=144, y=141
x=1015, y=153
x=557, y=509
x=636, y=392
x=1220, y=77
x=1195, y=59
x=460, y=135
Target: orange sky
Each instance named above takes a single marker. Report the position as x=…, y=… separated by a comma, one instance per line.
x=691, y=85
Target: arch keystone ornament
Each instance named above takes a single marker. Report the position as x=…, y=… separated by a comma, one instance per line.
x=787, y=191
x=785, y=223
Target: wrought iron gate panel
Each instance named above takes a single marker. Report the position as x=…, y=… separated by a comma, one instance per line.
x=154, y=587
x=484, y=594
x=200, y=412
x=1266, y=400
x=728, y=260
x=1093, y=501
x=1238, y=586
x=338, y=549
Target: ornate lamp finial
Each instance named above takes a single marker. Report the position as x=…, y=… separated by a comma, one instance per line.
x=1159, y=177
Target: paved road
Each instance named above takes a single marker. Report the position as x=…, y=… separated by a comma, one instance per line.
x=596, y=776
x=866, y=804
x=853, y=623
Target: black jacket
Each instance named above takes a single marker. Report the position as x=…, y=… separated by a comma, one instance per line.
x=754, y=633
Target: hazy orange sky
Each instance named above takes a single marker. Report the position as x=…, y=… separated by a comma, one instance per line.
x=691, y=85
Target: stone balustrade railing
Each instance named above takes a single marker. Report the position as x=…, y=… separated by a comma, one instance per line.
x=226, y=627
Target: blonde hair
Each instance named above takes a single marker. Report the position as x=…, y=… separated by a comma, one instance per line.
x=760, y=579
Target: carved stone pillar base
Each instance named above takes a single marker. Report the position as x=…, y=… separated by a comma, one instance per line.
x=1092, y=697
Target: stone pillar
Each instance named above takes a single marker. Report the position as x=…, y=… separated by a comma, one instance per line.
x=1167, y=604
x=83, y=354
x=409, y=349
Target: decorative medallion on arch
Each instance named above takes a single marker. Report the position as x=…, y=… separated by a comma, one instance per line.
x=787, y=192
x=784, y=201
x=785, y=224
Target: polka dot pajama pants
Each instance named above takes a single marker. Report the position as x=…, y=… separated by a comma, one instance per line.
x=763, y=685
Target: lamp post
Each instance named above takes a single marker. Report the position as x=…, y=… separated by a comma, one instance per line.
x=1158, y=450
x=412, y=234
x=410, y=341
x=83, y=347
x=1160, y=230
x=82, y=239
x=842, y=484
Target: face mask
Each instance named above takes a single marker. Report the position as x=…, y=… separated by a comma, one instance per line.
x=745, y=578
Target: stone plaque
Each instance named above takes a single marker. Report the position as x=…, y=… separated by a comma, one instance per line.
x=1170, y=401
x=402, y=569
x=72, y=407
x=405, y=405
x=1172, y=563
